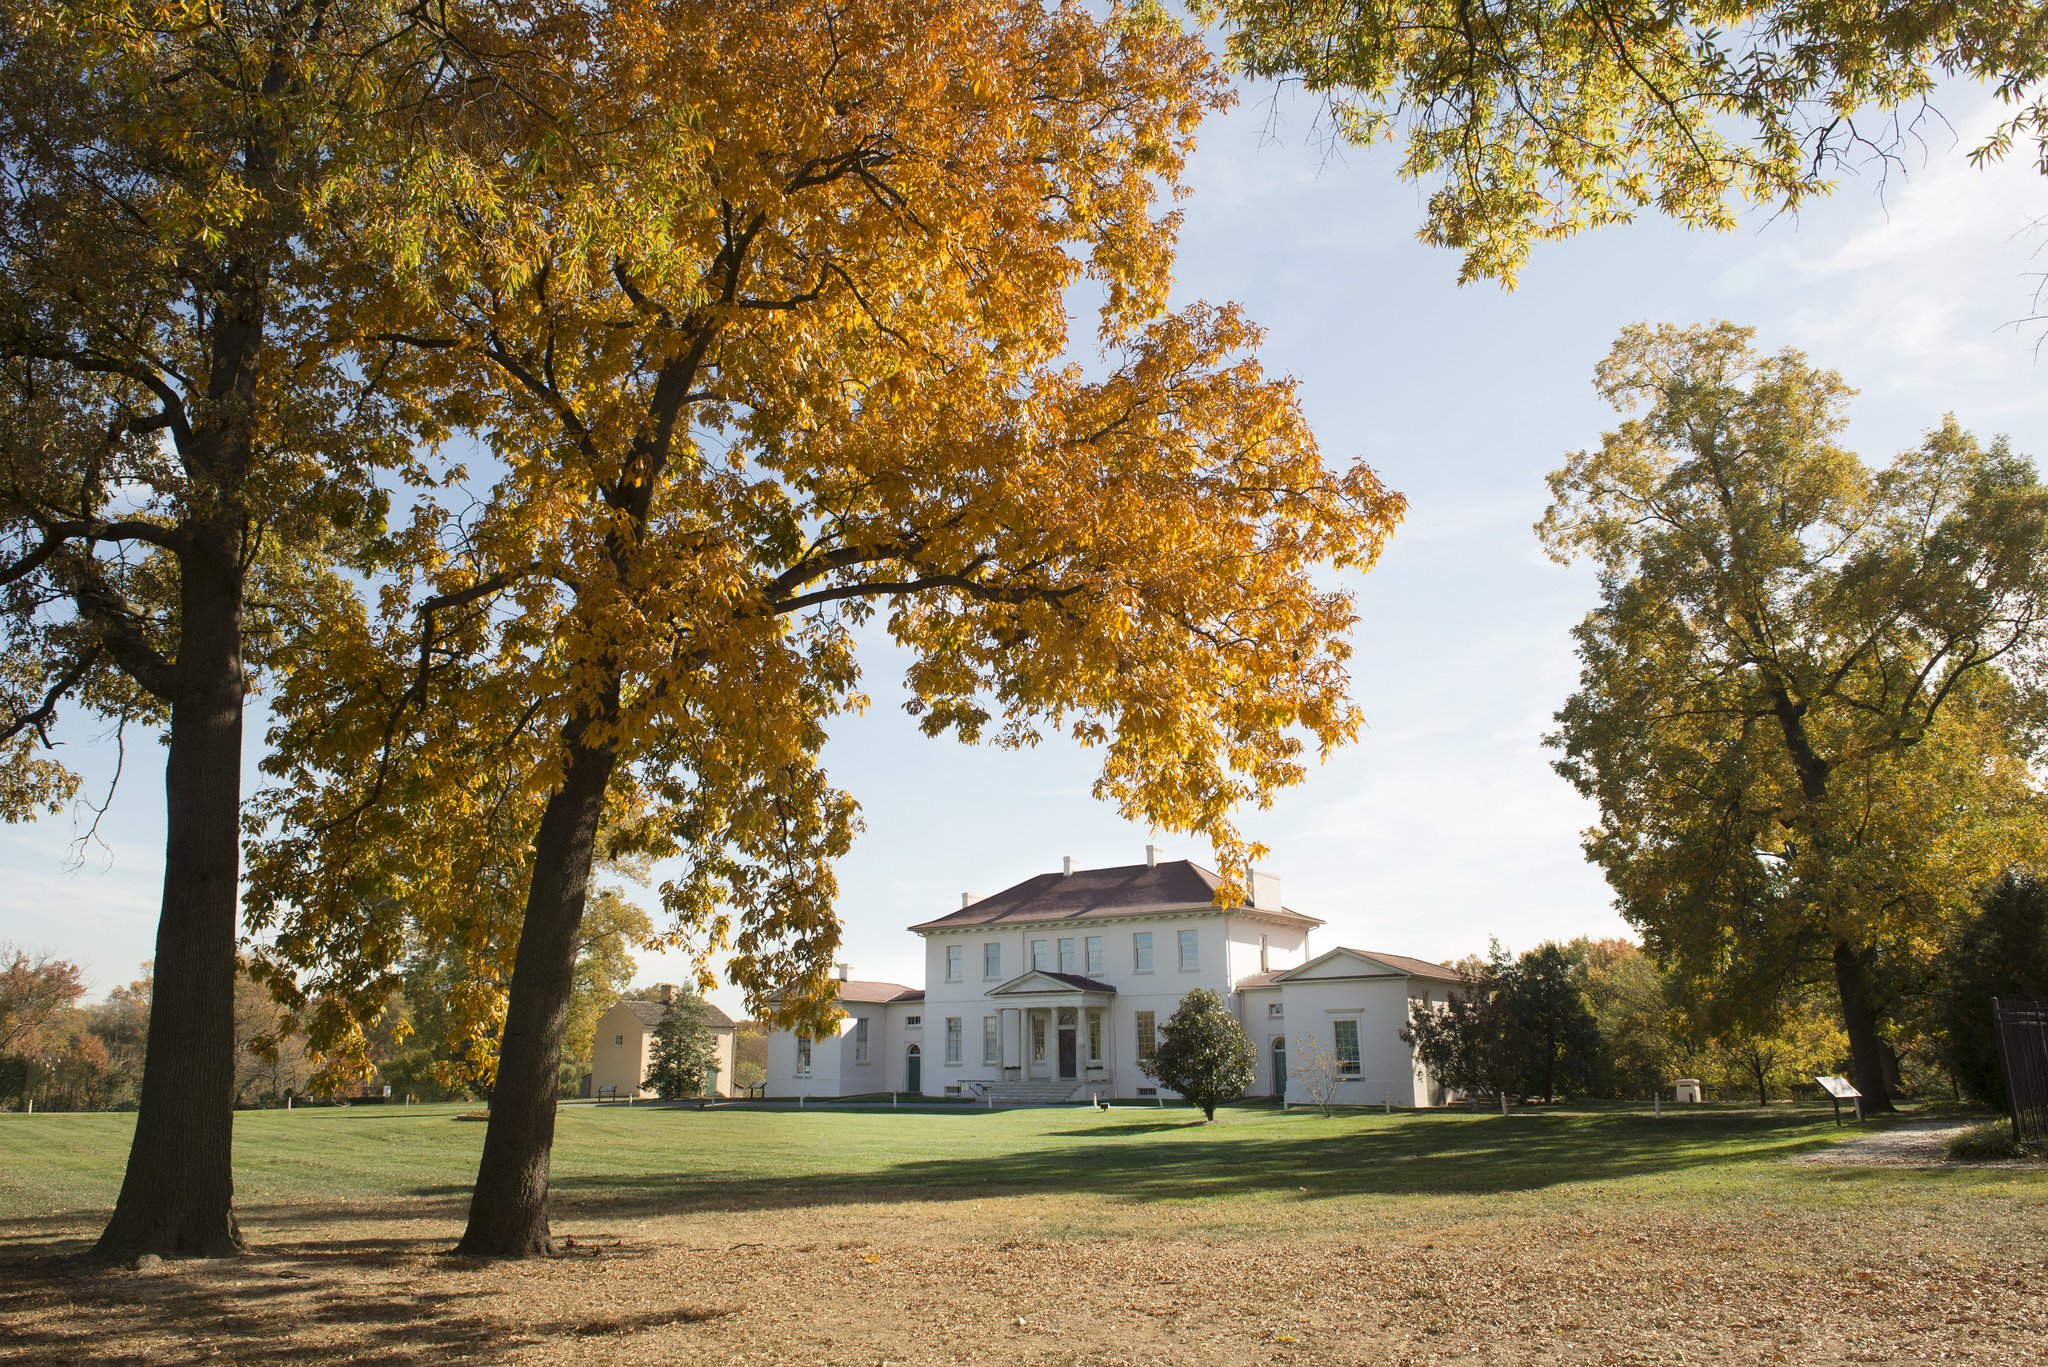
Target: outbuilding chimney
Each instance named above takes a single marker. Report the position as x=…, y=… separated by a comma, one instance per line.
x=1151, y=856
x=968, y=899
x=668, y=994
x=843, y=970
x=1067, y=867
x=1264, y=892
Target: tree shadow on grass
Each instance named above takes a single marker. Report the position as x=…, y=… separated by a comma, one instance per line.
x=1302, y=1157
x=305, y=1303
x=1117, y=1156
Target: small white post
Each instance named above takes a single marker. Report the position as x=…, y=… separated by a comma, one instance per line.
x=1387, y=1103
x=892, y=1101
x=1503, y=1101
x=287, y=1101
x=1657, y=1103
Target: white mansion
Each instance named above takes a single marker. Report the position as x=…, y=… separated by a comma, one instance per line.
x=1056, y=989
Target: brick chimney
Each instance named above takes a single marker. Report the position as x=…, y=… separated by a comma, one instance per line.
x=667, y=992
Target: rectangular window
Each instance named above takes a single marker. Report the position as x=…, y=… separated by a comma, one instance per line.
x=860, y=1039
x=1037, y=1038
x=1095, y=1037
x=953, y=1039
x=1264, y=963
x=1041, y=955
x=1148, y=1037
x=953, y=958
x=1093, y=946
x=1068, y=963
x=991, y=1042
x=1190, y=950
x=1347, y=1048
x=803, y=1055
x=912, y=1022
x=991, y=961
x=1141, y=952
x=1273, y=1011
x=619, y=1039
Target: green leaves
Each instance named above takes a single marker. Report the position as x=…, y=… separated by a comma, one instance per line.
x=1534, y=121
x=1810, y=699
x=1204, y=1054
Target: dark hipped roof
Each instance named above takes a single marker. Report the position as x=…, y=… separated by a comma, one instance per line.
x=1127, y=890
x=650, y=1014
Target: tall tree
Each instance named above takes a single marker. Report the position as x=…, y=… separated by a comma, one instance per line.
x=1469, y=1044
x=183, y=444
x=2001, y=951
x=1204, y=1054
x=777, y=355
x=1555, y=1040
x=1809, y=696
x=1537, y=119
x=685, y=1051
x=1638, y=1021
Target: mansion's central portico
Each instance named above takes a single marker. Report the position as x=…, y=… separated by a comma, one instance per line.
x=1050, y=1027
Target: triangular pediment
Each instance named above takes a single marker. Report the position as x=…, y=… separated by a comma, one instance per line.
x=1041, y=982
x=1340, y=963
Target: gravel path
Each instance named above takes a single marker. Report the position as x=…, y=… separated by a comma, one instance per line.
x=1917, y=1143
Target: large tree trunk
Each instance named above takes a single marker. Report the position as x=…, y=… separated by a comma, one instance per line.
x=508, y=1211
x=177, y=1199
x=1866, y=1049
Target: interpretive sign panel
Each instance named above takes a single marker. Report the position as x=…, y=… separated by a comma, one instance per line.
x=1840, y=1088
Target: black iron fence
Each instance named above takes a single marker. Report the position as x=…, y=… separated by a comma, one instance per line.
x=2023, y=1049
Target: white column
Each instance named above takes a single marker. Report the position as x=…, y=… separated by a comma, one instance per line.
x=1013, y=1039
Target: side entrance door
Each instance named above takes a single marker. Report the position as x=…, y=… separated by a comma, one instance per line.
x=1279, y=1065
x=913, y=1070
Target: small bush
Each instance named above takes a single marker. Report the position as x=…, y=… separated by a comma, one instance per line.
x=1989, y=1142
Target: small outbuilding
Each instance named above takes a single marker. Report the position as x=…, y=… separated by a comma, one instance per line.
x=623, y=1050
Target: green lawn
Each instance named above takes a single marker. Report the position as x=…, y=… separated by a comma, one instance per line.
x=1056, y=1238
x=1256, y=1167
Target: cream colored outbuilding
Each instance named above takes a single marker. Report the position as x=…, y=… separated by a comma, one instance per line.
x=624, y=1047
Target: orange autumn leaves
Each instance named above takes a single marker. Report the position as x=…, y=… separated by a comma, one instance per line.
x=761, y=314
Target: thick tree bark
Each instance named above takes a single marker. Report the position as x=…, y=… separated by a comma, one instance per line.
x=1866, y=1048
x=508, y=1211
x=177, y=1198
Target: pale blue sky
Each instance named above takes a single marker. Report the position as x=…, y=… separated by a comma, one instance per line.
x=1443, y=825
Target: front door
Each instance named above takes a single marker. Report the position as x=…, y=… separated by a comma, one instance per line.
x=1067, y=1053
x=1279, y=1065
x=913, y=1070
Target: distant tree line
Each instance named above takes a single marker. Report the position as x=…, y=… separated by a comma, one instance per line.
x=65, y=1054
x=1601, y=1018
